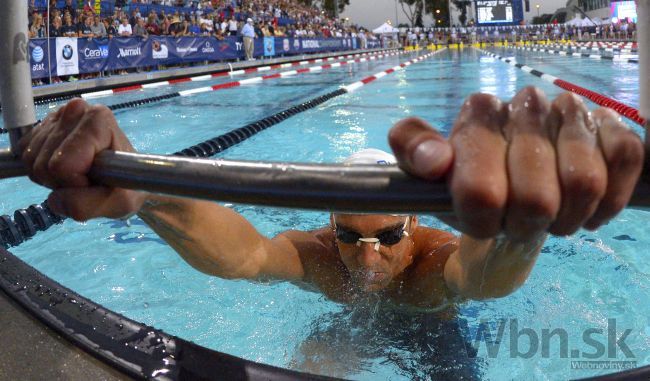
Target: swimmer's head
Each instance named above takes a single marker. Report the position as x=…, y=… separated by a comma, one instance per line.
x=375, y=248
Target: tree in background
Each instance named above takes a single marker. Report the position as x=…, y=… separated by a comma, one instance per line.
x=416, y=9
x=327, y=5
x=461, y=5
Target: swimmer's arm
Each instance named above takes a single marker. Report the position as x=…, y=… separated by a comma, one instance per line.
x=490, y=268
x=218, y=241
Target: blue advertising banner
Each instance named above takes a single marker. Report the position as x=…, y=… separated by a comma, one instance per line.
x=126, y=53
x=190, y=49
x=269, y=46
x=39, y=59
x=70, y=56
x=93, y=54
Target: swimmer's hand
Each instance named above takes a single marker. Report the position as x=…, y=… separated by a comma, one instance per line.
x=527, y=167
x=59, y=154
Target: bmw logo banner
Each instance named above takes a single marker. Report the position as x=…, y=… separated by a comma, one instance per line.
x=67, y=56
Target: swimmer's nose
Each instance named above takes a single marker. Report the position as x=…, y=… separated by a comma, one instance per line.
x=368, y=256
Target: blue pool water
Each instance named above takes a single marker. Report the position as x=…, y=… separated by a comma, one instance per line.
x=589, y=281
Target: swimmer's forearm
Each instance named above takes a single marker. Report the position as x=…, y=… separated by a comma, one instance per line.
x=211, y=238
x=491, y=268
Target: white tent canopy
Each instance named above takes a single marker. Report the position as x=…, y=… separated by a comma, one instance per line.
x=385, y=29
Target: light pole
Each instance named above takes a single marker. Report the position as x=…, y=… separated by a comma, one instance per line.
x=537, y=6
x=396, y=17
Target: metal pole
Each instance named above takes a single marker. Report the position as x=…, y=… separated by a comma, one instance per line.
x=49, y=24
x=336, y=188
x=15, y=73
x=643, y=46
x=396, y=17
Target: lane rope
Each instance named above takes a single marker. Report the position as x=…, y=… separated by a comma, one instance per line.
x=26, y=223
x=231, y=73
x=248, y=81
x=58, y=98
x=583, y=48
x=601, y=100
x=577, y=54
x=227, y=85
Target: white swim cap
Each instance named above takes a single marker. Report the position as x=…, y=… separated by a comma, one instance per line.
x=370, y=156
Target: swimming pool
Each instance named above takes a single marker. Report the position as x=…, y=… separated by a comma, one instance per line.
x=580, y=283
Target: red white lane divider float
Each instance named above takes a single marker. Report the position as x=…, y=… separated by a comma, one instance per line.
x=285, y=74
x=362, y=57
x=579, y=55
x=356, y=85
x=601, y=100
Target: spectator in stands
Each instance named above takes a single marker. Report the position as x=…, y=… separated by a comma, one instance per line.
x=125, y=30
x=139, y=30
x=248, y=34
x=194, y=28
x=219, y=35
x=56, y=29
x=85, y=28
x=68, y=29
x=119, y=4
x=98, y=28
x=233, y=27
x=110, y=27
x=152, y=25
x=89, y=6
x=37, y=29
x=70, y=7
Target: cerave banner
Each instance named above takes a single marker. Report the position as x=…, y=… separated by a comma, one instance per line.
x=71, y=56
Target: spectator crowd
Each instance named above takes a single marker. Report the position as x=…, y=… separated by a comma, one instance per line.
x=179, y=18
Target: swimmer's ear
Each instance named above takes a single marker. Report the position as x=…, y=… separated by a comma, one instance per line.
x=414, y=224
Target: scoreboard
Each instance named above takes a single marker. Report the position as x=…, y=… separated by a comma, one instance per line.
x=491, y=12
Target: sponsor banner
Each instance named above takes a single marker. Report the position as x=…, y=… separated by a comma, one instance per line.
x=355, y=43
x=127, y=53
x=67, y=56
x=71, y=56
x=269, y=46
x=38, y=58
x=188, y=49
x=373, y=44
x=94, y=54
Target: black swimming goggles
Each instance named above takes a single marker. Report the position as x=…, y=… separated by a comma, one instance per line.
x=387, y=238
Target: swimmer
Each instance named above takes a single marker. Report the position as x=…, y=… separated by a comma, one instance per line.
x=517, y=172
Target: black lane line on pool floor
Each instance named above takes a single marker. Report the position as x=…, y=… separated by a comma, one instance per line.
x=38, y=217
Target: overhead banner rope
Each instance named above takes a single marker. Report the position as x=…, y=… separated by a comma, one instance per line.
x=601, y=100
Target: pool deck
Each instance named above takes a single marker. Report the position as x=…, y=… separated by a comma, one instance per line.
x=31, y=351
